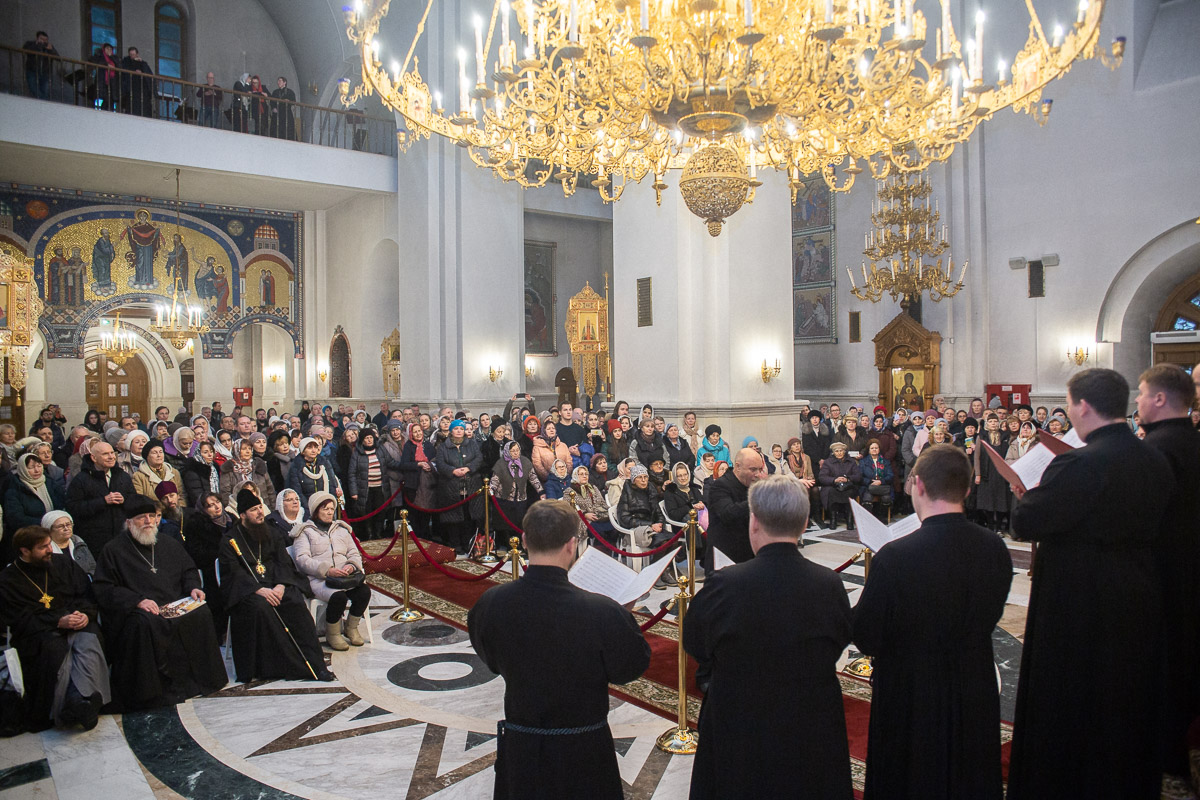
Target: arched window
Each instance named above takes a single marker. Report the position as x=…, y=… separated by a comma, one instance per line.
x=169, y=23
x=339, y=364
x=102, y=25
x=1180, y=314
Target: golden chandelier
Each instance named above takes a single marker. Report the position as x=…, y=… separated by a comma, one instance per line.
x=119, y=344
x=615, y=90
x=178, y=321
x=906, y=233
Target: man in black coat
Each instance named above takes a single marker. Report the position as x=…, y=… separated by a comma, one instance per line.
x=1165, y=394
x=137, y=92
x=767, y=635
x=729, y=507
x=1088, y=701
x=815, y=440
x=926, y=615
x=96, y=496
x=557, y=664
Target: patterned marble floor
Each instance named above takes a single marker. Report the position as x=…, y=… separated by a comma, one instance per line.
x=412, y=716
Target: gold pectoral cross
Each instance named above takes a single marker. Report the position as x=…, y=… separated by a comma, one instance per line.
x=45, y=600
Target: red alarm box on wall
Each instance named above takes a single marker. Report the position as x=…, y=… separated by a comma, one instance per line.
x=243, y=396
x=1010, y=394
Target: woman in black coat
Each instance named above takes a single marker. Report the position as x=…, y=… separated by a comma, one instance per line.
x=200, y=475
x=418, y=468
x=203, y=530
x=838, y=493
x=279, y=458
x=677, y=448
x=23, y=505
x=458, y=464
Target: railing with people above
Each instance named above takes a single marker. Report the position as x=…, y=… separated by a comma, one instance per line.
x=97, y=85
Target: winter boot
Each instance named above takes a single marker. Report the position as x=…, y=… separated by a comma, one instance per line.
x=352, y=635
x=333, y=636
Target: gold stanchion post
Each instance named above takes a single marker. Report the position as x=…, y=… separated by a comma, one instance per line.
x=488, y=557
x=514, y=556
x=682, y=740
x=405, y=614
x=862, y=666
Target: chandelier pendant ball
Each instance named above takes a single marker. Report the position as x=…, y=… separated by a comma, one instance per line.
x=714, y=185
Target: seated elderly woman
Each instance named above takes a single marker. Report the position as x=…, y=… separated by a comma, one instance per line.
x=876, y=476
x=638, y=510
x=325, y=553
x=64, y=540
x=557, y=480
x=590, y=502
x=288, y=513
x=839, y=479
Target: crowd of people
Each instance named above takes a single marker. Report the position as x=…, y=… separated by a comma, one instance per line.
x=118, y=529
x=128, y=84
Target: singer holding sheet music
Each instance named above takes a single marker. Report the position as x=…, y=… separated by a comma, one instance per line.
x=558, y=648
x=926, y=615
x=1088, y=700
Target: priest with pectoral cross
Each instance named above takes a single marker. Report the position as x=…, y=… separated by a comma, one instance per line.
x=270, y=627
x=47, y=603
x=159, y=658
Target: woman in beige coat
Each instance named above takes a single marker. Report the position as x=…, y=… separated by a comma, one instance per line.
x=153, y=470
x=547, y=448
x=324, y=548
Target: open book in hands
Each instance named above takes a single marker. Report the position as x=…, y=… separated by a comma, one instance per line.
x=596, y=572
x=1026, y=472
x=875, y=534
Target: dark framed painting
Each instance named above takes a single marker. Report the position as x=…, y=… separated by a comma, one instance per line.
x=541, y=324
x=814, y=263
x=813, y=314
x=814, y=205
x=812, y=255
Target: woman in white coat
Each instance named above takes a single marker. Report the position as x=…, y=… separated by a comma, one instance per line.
x=324, y=551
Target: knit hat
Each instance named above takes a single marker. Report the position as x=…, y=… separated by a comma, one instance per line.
x=791, y=442
x=256, y=437
x=137, y=505
x=613, y=424
x=165, y=488
x=917, y=415
x=458, y=423
x=51, y=517
x=127, y=440
x=711, y=429
x=878, y=410
x=994, y=402
x=837, y=446
x=247, y=500
x=306, y=441
x=352, y=426
x=638, y=469
x=114, y=435
x=318, y=499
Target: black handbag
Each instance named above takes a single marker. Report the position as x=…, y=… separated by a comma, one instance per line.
x=343, y=583
x=882, y=490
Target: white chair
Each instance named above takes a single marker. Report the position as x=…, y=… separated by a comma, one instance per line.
x=626, y=535
x=317, y=607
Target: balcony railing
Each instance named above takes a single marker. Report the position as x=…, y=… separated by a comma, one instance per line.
x=95, y=86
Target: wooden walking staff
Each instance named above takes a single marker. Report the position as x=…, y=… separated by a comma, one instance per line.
x=405, y=614
x=489, y=557
x=862, y=666
x=682, y=740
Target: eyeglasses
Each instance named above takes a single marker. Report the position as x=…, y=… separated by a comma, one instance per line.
x=62, y=526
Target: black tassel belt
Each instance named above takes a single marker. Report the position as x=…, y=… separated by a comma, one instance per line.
x=504, y=725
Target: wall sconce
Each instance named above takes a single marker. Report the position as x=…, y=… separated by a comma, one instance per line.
x=529, y=369
x=769, y=372
x=494, y=374
x=322, y=374
x=1079, y=356
x=274, y=377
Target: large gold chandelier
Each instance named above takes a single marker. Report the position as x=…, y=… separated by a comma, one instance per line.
x=178, y=321
x=905, y=235
x=622, y=89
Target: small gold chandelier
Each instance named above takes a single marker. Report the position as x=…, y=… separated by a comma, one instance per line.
x=905, y=235
x=178, y=322
x=118, y=344
x=615, y=90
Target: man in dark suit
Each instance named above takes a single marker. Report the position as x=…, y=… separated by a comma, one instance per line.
x=926, y=615
x=729, y=508
x=1090, y=689
x=767, y=635
x=1165, y=395
x=557, y=664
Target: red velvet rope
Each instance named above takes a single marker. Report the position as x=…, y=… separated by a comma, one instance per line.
x=386, y=503
x=843, y=567
x=462, y=502
x=504, y=516
x=657, y=618
x=388, y=549
x=450, y=574
x=618, y=551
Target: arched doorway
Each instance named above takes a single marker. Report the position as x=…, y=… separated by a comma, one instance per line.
x=1179, y=322
x=339, y=364
x=118, y=389
x=187, y=382
x=564, y=382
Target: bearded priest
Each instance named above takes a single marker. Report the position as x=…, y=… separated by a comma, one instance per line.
x=159, y=656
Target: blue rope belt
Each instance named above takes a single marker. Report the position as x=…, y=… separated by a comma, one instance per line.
x=504, y=725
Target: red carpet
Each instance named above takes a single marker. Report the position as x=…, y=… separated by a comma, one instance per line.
x=663, y=660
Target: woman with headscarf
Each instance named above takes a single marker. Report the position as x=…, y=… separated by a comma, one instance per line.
x=279, y=458
x=63, y=540
x=682, y=495
x=130, y=456
x=325, y=549
x=991, y=489
x=1025, y=441
x=29, y=495
x=54, y=473
x=245, y=468
x=154, y=470
x=557, y=479
x=511, y=479
x=458, y=462
x=647, y=414
x=677, y=448
x=419, y=472
x=546, y=449
x=288, y=513
x=179, y=447
x=201, y=474
x=83, y=448
x=312, y=472
x=612, y=489
x=160, y=429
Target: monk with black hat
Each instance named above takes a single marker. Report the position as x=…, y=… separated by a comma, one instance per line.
x=271, y=630
x=158, y=658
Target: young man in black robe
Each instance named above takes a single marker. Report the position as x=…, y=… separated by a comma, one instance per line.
x=157, y=660
x=767, y=635
x=1165, y=395
x=926, y=615
x=1089, y=696
x=270, y=628
x=47, y=603
x=557, y=663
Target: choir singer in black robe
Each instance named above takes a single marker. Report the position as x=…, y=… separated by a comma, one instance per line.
x=1165, y=394
x=46, y=602
x=769, y=633
x=270, y=628
x=1088, y=700
x=156, y=660
x=926, y=615
x=558, y=648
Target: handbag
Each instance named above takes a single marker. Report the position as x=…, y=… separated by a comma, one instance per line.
x=343, y=583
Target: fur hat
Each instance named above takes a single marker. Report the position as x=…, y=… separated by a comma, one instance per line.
x=711, y=429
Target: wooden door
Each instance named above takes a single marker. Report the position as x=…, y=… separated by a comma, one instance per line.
x=567, y=388
x=117, y=389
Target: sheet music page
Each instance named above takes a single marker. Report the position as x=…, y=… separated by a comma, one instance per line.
x=720, y=560
x=1029, y=467
x=1056, y=446
x=1072, y=438
x=601, y=574
x=641, y=583
x=902, y=528
x=871, y=532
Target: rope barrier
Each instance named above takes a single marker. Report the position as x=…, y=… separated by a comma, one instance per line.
x=661, y=548
x=504, y=516
x=386, y=550
x=500, y=565
x=414, y=507
x=855, y=558
x=657, y=618
x=386, y=504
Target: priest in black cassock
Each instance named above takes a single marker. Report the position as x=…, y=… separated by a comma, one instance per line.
x=156, y=660
x=728, y=509
x=1089, y=697
x=558, y=648
x=768, y=634
x=47, y=603
x=926, y=615
x=270, y=628
x=1165, y=395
